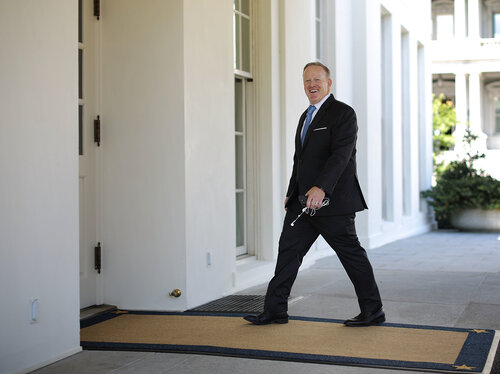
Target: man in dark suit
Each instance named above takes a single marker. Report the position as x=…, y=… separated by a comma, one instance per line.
x=324, y=167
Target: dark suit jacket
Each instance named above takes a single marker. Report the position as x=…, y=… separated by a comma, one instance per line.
x=328, y=160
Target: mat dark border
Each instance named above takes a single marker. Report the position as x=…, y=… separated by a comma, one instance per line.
x=474, y=353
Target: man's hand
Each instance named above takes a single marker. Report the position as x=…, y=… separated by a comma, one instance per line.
x=286, y=201
x=315, y=197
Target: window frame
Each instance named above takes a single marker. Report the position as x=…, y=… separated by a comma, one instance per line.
x=493, y=89
x=495, y=25
x=441, y=8
x=238, y=52
x=319, y=15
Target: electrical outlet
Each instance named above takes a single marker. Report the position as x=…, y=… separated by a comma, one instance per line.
x=209, y=259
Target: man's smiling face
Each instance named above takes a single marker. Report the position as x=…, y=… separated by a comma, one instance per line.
x=316, y=84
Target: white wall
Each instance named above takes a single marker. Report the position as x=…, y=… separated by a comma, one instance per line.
x=208, y=82
x=168, y=151
x=143, y=150
x=39, y=182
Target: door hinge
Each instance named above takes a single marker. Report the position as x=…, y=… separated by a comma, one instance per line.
x=97, y=131
x=97, y=8
x=97, y=258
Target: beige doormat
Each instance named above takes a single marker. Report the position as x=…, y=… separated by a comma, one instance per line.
x=302, y=339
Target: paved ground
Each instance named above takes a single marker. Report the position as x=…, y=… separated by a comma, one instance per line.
x=440, y=278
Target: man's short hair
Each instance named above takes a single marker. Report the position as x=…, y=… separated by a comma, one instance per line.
x=317, y=63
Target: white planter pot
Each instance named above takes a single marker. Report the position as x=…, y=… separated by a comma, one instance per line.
x=477, y=220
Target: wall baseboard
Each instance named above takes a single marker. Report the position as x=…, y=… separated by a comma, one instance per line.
x=51, y=361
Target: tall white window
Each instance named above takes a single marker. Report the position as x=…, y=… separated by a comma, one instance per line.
x=242, y=46
x=240, y=163
x=242, y=106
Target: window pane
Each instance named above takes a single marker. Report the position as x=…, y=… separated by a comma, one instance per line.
x=80, y=74
x=318, y=8
x=245, y=7
x=236, y=48
x=80, y=21
x=80, y=130
x=238, y=105
x=496, y=25
x=240, y=161
x=444, y=26
x=236, y=5
x=240, y=219
x=246, y=47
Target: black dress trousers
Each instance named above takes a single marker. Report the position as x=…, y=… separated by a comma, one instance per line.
x=339, y=231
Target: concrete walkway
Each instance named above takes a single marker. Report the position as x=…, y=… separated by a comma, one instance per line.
x=441, y=278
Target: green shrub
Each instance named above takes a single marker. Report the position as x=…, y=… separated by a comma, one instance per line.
x=444, y=121
x=461, y=186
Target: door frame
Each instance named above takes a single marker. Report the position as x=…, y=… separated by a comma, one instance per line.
x=89, y=105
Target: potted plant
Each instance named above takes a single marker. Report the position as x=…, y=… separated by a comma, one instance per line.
x=464, y=197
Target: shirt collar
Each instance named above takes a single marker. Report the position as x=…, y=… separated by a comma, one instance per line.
x=318, y=105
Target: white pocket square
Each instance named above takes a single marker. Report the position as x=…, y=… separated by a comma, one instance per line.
x=320, y=128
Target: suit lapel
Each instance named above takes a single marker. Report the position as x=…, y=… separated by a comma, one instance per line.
x=298, y=143
x=317, y=119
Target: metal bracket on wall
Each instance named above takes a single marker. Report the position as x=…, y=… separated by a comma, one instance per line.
x=97, y=258
x=97, y=131
x=97, y=8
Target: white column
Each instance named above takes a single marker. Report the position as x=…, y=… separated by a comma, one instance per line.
x=473, y=10
x=343, y=41
x=367, y=102
x=406, y=128
x=475, y=117
x=475, y=102
x=459, y=18
x=388, y=64
x=397, y=131
x=461, y=109
x=414, y=126
x=39, y=183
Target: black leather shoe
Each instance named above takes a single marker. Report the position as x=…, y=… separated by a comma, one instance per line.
x=366, y=319
x=267, y=318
